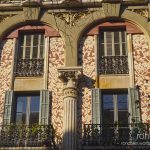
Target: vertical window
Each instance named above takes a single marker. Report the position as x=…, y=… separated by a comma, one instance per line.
x=113, y=43
x=30, y=62
x=113, y=57
x=27, y=108
x=31, y=46
x=114, y=107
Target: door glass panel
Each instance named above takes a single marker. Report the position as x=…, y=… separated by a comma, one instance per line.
x=27, y=105
x=108, y=109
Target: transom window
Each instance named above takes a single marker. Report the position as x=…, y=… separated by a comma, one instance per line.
x=112, y=42
x=27, y=109
x=114, y=107
x=31, y=45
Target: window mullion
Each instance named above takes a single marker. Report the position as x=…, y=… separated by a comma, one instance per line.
x=105, y=44
x=28, y=110
x=120, y=43
x=31, y=48
x=39, y=45
x=24, y=46
x=115, y=108
x=113, y=49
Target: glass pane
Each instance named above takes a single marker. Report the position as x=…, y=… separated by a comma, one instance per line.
x=42, y=39
x=35, y=52
x=34, y=109
x=27, y=55
x=35, y=40
x=41, y=51
x=122, y=101
x=35, y=103
x=21, y=109
x=102, y=37
x=108, y=117
x=116, y=37
x=109, y=49
x=124, y=49
x=123, y=36
x=34, y=118
x=28, y=40
x=107, y=101
x=123, y=117
x=109, y=37
x=117, y=49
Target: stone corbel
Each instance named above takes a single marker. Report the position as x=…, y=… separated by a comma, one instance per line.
x=111, y=8
x=31, y=10
x=67, y=74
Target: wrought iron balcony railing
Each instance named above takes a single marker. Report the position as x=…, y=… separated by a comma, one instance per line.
x=113, y=65
x=27, y=136
x=116, y=135
x=29, y=67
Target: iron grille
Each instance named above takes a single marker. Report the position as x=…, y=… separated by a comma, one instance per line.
x=113, y=65
x=27, y=136
x=29, y=67
x=116, y=135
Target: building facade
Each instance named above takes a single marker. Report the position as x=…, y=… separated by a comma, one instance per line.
x=74, y=74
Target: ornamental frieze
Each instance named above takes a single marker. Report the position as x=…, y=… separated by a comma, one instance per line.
x=71, y=17
x=142, y=12
x=5, y=17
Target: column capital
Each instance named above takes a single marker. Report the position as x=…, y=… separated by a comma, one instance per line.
x=69, y=73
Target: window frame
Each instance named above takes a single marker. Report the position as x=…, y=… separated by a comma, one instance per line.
x=116, y=110
x=23, y=37
x=112, y=30
x=28, y=96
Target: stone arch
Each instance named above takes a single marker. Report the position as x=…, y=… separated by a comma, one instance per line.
x=129, y=16
x=99, y=16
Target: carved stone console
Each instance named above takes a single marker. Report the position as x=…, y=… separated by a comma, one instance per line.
x=70, y=77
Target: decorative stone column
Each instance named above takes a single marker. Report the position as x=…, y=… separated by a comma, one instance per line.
x=70, y=76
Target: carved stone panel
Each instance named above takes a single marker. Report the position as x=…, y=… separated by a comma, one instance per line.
x=111, y=9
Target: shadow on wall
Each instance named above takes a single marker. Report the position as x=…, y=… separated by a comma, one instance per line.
x=84, y=82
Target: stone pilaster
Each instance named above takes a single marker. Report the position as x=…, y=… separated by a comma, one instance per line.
x=70, y=77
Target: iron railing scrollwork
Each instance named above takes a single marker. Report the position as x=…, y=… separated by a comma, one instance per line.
x=27, y=136
x=113, y=65
x=29, y=67
x=116, y=135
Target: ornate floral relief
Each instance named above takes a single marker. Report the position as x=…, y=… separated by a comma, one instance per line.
x=71, y=17
x=87, y=59
x=56, y=59
x=5, y=17
x=5, y=70
x=141, y=56
x=142, y=12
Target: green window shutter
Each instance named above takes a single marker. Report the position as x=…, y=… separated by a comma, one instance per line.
x=96, y=106
x=134, y=104
x=8, y=107
x=44, y=107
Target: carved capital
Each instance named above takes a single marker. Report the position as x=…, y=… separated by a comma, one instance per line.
x=70, y=92
x=70, y=74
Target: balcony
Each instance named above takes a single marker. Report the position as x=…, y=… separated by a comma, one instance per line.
x=29, y=68
x=26, y=136
x=113, y=135
x=113, y=65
